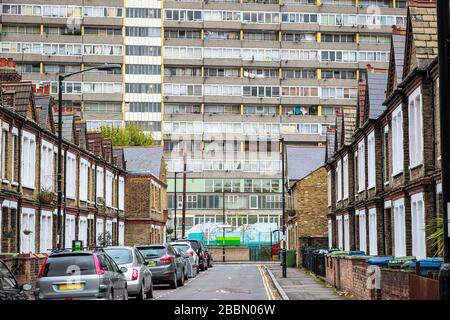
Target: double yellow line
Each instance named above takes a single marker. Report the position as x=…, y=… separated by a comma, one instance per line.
x=266, y=282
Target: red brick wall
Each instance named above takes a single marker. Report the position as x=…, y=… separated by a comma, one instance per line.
x=25, y=267
x=360, y=289
x=394, y=284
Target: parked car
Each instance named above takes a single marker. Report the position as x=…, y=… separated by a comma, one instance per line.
x=186, y=263
x=9, y=289
x=167, y=265
x=200, y=250
x=186, y=248
x=139, y=276
x=81, y=275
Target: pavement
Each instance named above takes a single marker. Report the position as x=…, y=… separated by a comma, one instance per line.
x=299, y=285
x=222, y=282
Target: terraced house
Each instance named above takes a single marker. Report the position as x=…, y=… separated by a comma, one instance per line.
x=47, y=38
x=240, y=74
x=385, y=203
x=93, y=181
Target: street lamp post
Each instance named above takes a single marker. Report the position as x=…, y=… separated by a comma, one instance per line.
x=283, y=206
x=61, y=78
x=176, y=203
x=223, y=229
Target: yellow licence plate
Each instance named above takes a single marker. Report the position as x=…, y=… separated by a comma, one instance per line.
x=152, y=264
x=70, y=286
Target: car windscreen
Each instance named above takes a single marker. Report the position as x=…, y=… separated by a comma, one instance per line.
x=182, y=247
x=120, y=256
x=69, y=265
x=7, y=281
x=153, y=252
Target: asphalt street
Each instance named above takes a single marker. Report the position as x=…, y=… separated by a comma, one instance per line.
x=222, y=282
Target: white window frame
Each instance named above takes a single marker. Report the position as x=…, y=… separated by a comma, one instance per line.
x=361, y=166
x=346, y=232
x=28, y=163
x=329, y=188
x=109, y=188
x=99, y=229
x=340, y=230
x=418, y=232
x=100, y=190
x=362, y=230
x=121, y=233
x=83, y=230
x=339, y=180
x=415, y=125
x=399, y=228
x=397, y=141
x=373, y=236
x=69, y=232
x=46, y=234
x=371, y=165
x=330, y=234
x=121, y=190
x=70, y=175
x=47, y=164
x=84, y=180
x=28, y=222
x=4, y=150
x=345, y=177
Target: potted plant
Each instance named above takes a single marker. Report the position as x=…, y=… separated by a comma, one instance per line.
x=291, y=212
x=45, y=196
x=169, y=230
x=101, y=202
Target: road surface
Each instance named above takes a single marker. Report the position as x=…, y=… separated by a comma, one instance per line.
x=222, y=282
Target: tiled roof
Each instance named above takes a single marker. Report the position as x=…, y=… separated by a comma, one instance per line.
x=43, y=111
x=398, y=44
x=301, y=161
x=143, y=160
x=330, y=143
x=22, y=92
x=376, y=84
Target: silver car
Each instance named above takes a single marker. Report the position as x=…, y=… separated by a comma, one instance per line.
x=139, y=276
x=81, y=275
x=192, y=257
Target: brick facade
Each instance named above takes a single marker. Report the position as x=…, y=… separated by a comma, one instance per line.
x=26, y=116
x=420, y=180
x=309, y=197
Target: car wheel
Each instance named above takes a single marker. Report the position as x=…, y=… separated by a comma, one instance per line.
x=149, y=294
x=181, y=281
x=141, y=294
x=174, y=283
x=186, y=276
